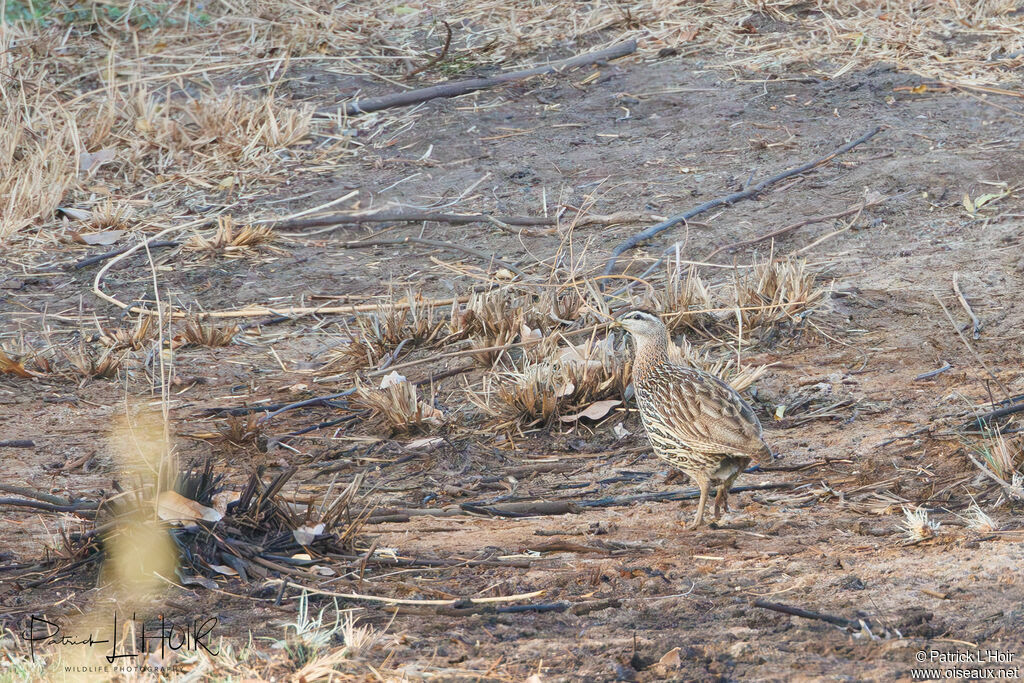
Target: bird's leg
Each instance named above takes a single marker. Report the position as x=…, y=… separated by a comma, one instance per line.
x=722, y=497
x=704, y=483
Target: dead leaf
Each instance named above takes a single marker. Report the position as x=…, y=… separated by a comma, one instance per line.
x=986, y=198
x=76, y=214
x=671, y=659
x=426, y=442
x=304, y=535
x=565, y=390
x=392, y=378
x=968, y=204
x=224, y=498
x=172, y=506
x=223, y=569
x=104, y=238
x=12, y=367
x=87, y=161
x=526, y=332
x=198, y=581
x=595, y=411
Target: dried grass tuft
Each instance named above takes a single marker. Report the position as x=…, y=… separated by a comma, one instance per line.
x=37, y=162
x=135, y=337
x=777, y=292
x=1004, y=457
x=230, y=241
x=978, y=520
x=111, y=216
x=397, y=405
x=493, y=319
x=917, y=526
x=197, y=332
x=392, y=326
x=539, y=392
x=87, y=363
x=242, y=433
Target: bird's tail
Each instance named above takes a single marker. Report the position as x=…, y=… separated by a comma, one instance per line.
x=764, y=456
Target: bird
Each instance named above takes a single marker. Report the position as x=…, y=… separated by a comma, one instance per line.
x=694, y=420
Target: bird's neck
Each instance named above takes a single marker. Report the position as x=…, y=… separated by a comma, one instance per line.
x=650, y=351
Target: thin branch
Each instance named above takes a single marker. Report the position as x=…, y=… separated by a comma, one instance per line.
x=747, y=193
x=976, y=330
x=969, y=347
x=456, y=88
x=433, y=61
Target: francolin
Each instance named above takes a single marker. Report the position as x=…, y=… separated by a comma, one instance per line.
x=694, y=420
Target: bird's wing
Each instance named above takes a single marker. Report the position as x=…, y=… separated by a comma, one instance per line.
x=707, y=413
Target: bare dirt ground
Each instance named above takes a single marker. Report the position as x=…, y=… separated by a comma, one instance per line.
x=624, y=583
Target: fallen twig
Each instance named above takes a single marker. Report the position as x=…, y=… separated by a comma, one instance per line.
x=117, y=252
x=970, y=348
x=315, y=401
x=794, y=226
x=456, y=88
x=408, y=601
x=983, y=420
x=401, y=216
x=747, y=193
x=84, y=506
x=976, y=324
x=32, y=493
x=679, y=494
x=1014, y=491
x=934, y=373
x=18, y=443
x=528, y=509
x=437, y=58
x=807, y=614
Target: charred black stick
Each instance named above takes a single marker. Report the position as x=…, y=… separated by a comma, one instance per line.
x=806, y=614
x=456, y=88
x=116, y=252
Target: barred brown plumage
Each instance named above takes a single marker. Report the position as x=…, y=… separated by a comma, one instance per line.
x=694, y=420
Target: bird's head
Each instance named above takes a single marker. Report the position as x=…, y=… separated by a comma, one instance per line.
x=642, y=324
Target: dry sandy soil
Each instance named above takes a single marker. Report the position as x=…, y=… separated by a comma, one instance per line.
x=651, y=137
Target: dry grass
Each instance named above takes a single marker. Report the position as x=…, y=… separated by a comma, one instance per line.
x=229, y=240
x=197, y=332
x=391, y=327
x=685, y=292
x=242, y=433
x=494, y=318
x=111, y=216
x=141, y=333
x=397, y=405
x=777, y=292
x=917, y=526
x=540, y=392
x=91, y=364
x=1003, y=456
x=97, y=79
x=38, y=148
